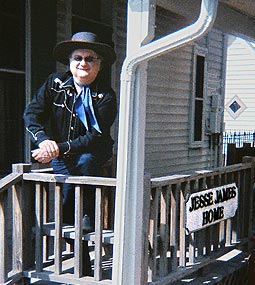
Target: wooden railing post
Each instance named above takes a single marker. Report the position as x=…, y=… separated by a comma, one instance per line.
x=3, y=274
x=58, y=229
x=251, y=197
x=38, y=227
x=78, y=254
x=98, y=238
x=145, y=228
x=22, y=201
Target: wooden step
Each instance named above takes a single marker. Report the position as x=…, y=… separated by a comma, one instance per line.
x=68, y=231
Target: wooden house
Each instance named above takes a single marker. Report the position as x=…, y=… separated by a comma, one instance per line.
x=183, y=131
x=170, y=82
x=240, y=86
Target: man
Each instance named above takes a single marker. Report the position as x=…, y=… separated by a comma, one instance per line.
x=70, y=117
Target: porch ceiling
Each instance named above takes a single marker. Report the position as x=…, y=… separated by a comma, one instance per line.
x=235, y=17
x=246, y=7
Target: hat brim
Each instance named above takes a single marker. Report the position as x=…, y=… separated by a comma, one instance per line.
x=63, y=50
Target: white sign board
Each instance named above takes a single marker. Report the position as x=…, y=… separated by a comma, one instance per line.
x=211, y=206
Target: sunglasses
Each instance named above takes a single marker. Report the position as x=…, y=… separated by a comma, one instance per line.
x=87, y=59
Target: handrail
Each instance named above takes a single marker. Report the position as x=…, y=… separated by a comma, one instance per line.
x=9, y=181
x=91, y=180
x=162, y=181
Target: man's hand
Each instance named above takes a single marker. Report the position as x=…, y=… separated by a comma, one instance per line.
x=41, y=155
x=50, y=147
x=46, y=152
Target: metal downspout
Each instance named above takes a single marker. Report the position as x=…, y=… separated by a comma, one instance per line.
x=125, y=250
x=172, y=41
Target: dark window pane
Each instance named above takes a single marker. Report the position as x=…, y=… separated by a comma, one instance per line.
x=86, y=17
x=234, y=107
x=82, y=24
x=12, y=29
x=199, y=95
x=198, y=120
x=12, y=94
x=200, y=76
x=88, y=9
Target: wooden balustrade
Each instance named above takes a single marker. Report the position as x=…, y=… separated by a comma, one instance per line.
x=38, y=230
x=55, y=183
x=33, y=230
x=171, y=248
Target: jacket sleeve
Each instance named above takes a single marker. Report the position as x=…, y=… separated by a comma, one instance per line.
x=36, y=115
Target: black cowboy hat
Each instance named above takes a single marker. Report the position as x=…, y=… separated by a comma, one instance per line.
x=83, y=40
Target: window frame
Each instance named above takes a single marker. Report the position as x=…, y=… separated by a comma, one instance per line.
x=202, y=52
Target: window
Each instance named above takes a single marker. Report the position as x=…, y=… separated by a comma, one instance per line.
x=87, y=15
x=198, y=99
x=235, y=107
x=12, y=83
x=12, y=35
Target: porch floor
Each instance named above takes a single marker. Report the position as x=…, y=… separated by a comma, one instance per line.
x=67, y=269
x=231, y=266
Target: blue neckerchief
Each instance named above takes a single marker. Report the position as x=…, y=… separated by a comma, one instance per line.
x=84, y=108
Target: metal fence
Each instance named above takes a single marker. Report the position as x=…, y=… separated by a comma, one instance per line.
x=239, y=138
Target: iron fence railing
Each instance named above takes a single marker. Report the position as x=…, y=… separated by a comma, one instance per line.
x=239, y=138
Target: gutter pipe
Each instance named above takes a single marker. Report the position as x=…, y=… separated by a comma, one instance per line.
x=173, y=41
x=128, y=178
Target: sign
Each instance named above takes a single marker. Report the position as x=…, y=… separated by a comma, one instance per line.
x=211, y=206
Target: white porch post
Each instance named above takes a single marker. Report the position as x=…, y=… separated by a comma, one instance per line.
x=128, y=243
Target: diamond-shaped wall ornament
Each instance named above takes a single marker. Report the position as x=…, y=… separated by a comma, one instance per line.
x=235, y=107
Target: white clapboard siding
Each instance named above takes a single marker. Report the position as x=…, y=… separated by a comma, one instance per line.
x=168, y=103
x=169, y=89
x=240, y=81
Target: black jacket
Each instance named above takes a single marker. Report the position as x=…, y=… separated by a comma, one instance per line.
x=53, y=106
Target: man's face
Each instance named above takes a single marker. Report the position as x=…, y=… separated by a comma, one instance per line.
x=84, y=65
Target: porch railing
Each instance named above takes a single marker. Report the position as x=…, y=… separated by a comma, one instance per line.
x=171, y=249
x=38, y=247
x=32, y=232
